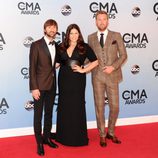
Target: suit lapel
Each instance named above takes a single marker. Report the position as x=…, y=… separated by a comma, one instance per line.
x=96, y=41
x=46, y=51
x=44, y=46
x=108, y=41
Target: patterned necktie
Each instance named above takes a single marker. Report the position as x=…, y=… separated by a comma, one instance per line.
x=102, y=40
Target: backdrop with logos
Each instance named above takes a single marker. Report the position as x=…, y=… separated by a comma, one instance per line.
x=22, y=22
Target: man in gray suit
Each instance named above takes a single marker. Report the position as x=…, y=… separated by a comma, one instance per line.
x=111, y=53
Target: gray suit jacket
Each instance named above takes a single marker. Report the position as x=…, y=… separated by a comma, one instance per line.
x=112, y=54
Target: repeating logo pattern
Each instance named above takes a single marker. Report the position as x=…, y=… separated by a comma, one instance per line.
x=110, y=8
x=155, y=67
x=66, y=10
x=3, y=106
x=2, y=41
x=137, y=25
x=136, y=12
x=28, y=41
x=155, y=9
x=29, y=8
x=135, y=69
x=135, y=40
x=134, y=97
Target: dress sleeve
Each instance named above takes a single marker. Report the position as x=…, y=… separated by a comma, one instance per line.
x=90, y=53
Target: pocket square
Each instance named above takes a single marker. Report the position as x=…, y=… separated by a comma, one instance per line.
x=114, y=42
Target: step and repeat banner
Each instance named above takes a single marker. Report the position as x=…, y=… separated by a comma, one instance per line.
x=21, y=23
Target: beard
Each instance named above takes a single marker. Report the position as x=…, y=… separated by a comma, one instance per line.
x=102, y=27
x=50, y=34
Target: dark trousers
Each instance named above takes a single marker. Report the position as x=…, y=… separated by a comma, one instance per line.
x=43, y=105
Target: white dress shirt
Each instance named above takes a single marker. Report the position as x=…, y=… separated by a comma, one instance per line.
x=51, y=49
x=105, y=35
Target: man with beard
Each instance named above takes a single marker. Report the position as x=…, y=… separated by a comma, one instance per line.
x=111, y=53
x=43, y=84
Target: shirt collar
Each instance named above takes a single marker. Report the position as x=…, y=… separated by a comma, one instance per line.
x=105, y=33
x=47, y=40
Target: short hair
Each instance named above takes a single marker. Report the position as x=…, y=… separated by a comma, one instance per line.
x=50, y=22
x=101, y=12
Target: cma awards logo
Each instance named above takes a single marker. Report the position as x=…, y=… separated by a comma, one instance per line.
x=134, y=97
x=28, y=41
x=136, y=12
x=25, y=72
x=135, y=69
x=155, y=67
x=111, y=9
x=2, y=41
x=66, y=10
x=155, y=8
x=132, y=40
x=29, y=8
x=3, y=106
x=59, y=37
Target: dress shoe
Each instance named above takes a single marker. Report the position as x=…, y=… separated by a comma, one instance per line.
x=50, y=143
x=40, y=149
x=52, y=135
x=103, y=142
x=113, y=138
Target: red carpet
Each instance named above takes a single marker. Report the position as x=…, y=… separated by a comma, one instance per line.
x=138, y=141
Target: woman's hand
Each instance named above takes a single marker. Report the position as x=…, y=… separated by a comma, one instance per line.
x=86, y=68
x=77, y=68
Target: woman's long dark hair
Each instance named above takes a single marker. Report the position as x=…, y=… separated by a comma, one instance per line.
x=80, y=42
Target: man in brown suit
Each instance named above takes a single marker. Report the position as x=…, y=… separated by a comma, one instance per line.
x=111, y=53
x=42, y=83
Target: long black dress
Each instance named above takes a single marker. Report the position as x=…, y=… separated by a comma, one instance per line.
x=71, y=113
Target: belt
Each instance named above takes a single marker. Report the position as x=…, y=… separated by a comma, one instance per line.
x=71, y=62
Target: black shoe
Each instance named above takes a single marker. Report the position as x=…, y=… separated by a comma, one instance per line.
x=40, y=149
x=113, y=138
x=103, y=142
x=50, y=143
x=52, y=135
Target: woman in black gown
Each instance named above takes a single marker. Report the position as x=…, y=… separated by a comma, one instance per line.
x=71, y=113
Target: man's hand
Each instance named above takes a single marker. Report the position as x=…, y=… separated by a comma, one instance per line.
x=108, y=69
x=36, y=94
